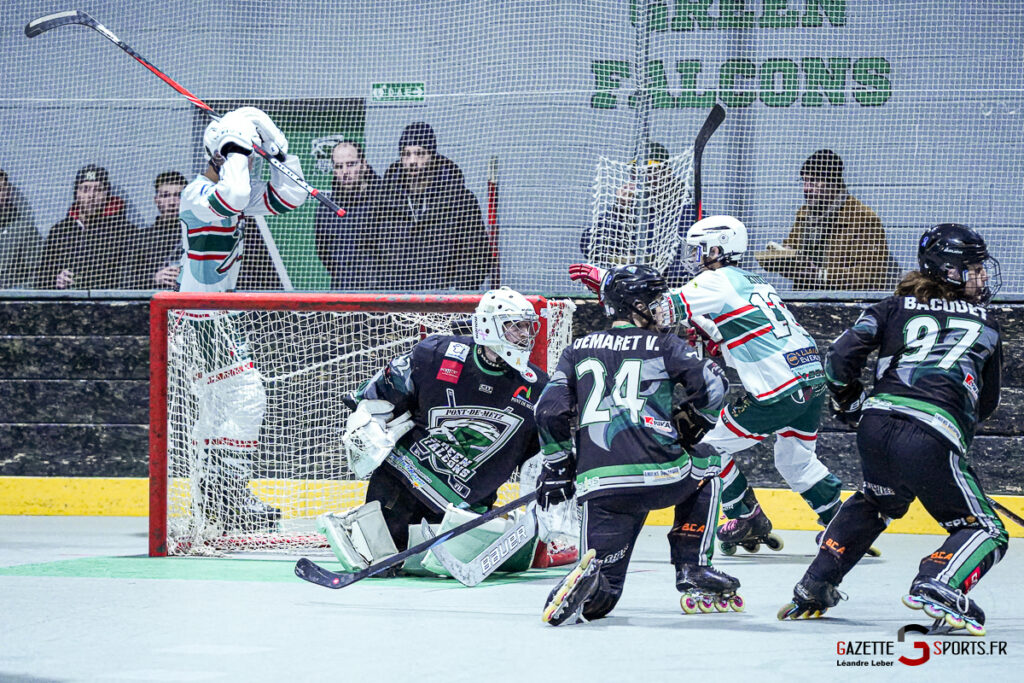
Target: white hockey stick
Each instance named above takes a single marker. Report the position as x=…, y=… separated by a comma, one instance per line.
x=493, y=556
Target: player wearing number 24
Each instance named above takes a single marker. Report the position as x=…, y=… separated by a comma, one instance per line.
x=939, y=362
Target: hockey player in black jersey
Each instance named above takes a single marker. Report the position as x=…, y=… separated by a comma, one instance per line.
x=465, y=422
x=639, y=399
x=939, y=362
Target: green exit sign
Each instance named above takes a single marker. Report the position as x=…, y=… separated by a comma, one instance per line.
x=399, y=92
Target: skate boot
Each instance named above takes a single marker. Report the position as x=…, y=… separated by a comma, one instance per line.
x=811, y=599
x=565, y=603
x=228, y=501
x=748, y=531
x=951, y=608
x=870, y=552
x=705, y=589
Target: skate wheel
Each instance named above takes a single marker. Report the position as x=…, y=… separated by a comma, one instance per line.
x=774, y=543
x=728, y=550
x=707, y=604
x=912, y=602
x=786, y=612
x=689, y=604
x=874, y=552
x=722, y=604
x=751, y=547
x=737, y=604
x=933, y=611
x=956, y=621
x=975, y=629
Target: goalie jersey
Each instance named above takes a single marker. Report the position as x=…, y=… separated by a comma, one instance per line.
x=473, y=425
x=770, y=351
x=621, y=387
x=939, y=363
x=212, y=234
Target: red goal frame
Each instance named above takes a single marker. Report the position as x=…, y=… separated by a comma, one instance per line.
x=162, y=302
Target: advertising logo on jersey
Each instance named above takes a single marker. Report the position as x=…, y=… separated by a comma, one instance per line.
x=663, y=426
x=803, y=356
x=971, y=385
x=457, y=350
x=461, y=439
x=450, y=371
x=522, y=396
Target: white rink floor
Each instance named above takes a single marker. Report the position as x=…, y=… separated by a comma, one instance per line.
x=64, y=618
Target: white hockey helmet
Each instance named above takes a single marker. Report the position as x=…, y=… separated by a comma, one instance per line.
x=231, y=128
x=505, y=322
x=725, y=232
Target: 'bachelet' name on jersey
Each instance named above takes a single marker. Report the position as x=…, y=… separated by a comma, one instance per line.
x=617, y=342
x=945, y=306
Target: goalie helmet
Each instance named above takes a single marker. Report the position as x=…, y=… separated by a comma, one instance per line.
x=505, y=322
x=229, y=130
x=633, y=289
x=725, y=232
x=946, y=251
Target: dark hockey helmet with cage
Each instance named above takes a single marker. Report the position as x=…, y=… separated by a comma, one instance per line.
x=947, y=249
x=632, y=289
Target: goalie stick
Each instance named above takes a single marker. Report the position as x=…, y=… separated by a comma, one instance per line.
x=1005, y=510
x=711, y=124
x=310, y=571
x=52, y=21
x=490, y=558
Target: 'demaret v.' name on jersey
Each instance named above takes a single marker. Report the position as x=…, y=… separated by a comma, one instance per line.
x=615, y=342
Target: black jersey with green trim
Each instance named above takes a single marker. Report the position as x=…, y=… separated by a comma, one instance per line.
x=620, y=387
x=473, y=424
x=939, y=362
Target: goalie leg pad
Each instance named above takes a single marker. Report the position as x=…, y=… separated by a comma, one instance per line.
x=358, y=537
x=468, y=546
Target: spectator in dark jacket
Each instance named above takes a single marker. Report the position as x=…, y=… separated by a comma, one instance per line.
x=354, y=247
x=437, y=236
x=20, y=242
x=157, y=255
x=90, y=248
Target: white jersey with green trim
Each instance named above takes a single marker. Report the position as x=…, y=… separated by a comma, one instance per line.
x=772, y=353
x=209, y=216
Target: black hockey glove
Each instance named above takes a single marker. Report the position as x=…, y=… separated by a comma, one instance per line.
x=847, y=401
x=556, y=482
x=691, y=426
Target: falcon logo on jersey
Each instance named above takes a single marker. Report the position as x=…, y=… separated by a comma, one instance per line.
x=450, y=371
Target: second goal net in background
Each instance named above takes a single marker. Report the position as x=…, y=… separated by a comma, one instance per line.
x=294, y=356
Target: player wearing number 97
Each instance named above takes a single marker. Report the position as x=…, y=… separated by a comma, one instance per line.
x=630, y=454
x=939, y=362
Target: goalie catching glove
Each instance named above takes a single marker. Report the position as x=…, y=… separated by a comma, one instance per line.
x=847, y=401
x=371, y=432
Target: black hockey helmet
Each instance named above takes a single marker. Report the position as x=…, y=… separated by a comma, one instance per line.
x=947, y=249
x=632, y=289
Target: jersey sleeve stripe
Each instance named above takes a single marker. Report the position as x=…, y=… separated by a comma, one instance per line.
x=686, y=304
x=218, y=204
x=277, y=196
x=270, y=208
x=211, y=228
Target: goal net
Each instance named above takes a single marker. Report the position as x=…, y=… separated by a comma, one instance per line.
x=288, y=360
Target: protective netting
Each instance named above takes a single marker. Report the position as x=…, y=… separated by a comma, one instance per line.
x=921, y=102
x=255, y=417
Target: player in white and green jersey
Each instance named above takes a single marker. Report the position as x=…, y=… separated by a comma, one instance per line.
x=778, y=364
x=231, y=394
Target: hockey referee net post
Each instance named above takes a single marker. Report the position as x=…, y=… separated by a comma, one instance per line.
x=308, y=350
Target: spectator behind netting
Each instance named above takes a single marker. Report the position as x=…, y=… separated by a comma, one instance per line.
x=88, y=249
x=20, y=242
x=839, y=242
x=156, y=258
x=619, y=222
x=437, y=235
x=353, y=247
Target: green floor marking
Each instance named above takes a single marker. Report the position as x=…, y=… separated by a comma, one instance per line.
x=211, y=569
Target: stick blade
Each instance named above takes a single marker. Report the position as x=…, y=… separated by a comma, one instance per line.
x=715, y=118
x=51, y=21
x=310, y=571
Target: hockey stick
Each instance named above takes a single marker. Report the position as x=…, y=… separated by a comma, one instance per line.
x=490, y=558
x=314, y=573
x=711, y=124
x=1005, y=510
x=52, y=21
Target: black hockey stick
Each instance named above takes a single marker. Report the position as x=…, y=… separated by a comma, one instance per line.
x=51, y=21
x=711, y=124
x=314, y=573
x=1005, y=510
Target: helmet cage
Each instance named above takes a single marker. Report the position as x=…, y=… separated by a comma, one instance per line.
x=499, y=312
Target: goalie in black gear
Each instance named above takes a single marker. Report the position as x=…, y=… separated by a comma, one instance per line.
x=464, y=424
x=939, y=360
x=622, y=386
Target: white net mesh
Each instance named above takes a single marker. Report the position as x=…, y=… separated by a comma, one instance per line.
x=921, y=101
x=241, y=479
x=638, y=212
